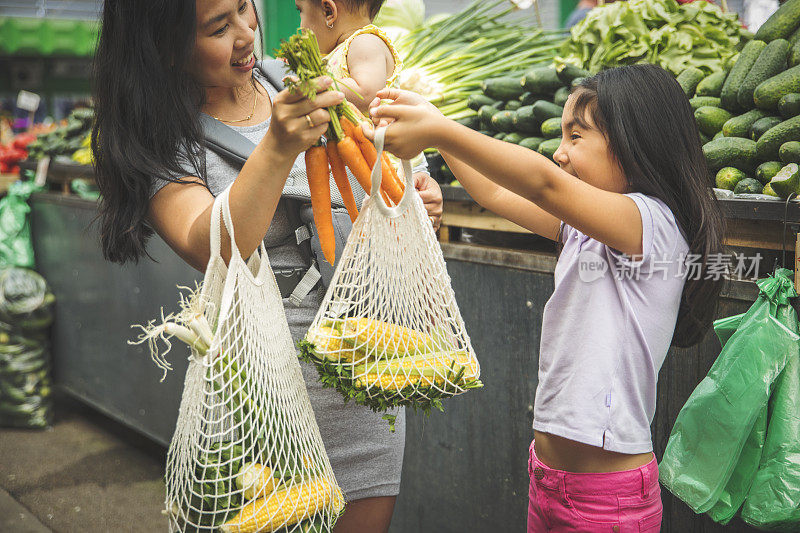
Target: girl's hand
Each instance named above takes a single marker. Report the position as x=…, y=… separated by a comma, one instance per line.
x=413, y=122
x=297, y=122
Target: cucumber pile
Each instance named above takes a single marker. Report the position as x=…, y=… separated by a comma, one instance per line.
x=525, y=109
x=749, y=115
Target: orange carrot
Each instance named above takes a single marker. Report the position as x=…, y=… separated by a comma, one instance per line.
x=388, y=182
x=351, y=155
x=320, y=186
x=340, y=177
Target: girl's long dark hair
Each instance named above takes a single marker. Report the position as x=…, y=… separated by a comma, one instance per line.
x=652, y=133
x=146, y=114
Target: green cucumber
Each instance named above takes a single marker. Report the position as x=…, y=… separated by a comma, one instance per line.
x=502, y=88
x=770, y=62
x=769, y=191
x=766, y=171
x=747, y=58
x=477, y=101
x=710, y=119
x=769, y=144
x=568, y=72
x=719, y=135
x=542, y=80
x=740, y=126
x=561, y=96
x=524, y=120
x=711, y=84
x=795, y=37
x=704, y=138
x=512, y=105
x=689, y=79
x=543, y=110
x=782, y=23
x=787, y=181
x=794, y=55
x=789, y=152
x=789, y=105
x=514, y=138
x=486, y=113
x=473, y=122
x=731, y=152
x=577, y=82
x=748, y=186
x=728, y=177
x=529, y=98
x=762, y=125
x=548, y=148
x=551, y=128
x=503, y=121
x=769, y=92
x=700, y=101
x=531, y=143
x=500, y=136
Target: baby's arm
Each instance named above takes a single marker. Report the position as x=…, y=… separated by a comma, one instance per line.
x=366, y=61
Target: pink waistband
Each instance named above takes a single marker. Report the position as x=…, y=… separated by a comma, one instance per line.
x=637, y=480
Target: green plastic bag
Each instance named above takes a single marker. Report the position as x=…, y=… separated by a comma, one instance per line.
x=774, y=499
x=714, y=426
x=16, y=246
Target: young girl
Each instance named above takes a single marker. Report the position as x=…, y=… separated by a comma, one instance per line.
x=358, y=53
x=629, y=199
x=163, y=69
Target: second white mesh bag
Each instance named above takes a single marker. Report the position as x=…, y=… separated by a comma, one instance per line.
x=389, y=332
x=247, y=455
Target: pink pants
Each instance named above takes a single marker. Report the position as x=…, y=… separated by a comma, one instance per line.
x=613, y=502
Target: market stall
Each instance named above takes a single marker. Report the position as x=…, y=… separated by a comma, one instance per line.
x=512, y=89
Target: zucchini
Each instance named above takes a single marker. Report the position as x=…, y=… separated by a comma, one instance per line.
x=771, y=61
x=524, y=121
x=711, y=85
x=789, y=105
x=761, y=126
x=542, y=80
x=769, y=144
x=502, y=88
x=551, y=128
x=689, y=79
x=529, y=98
x=577, y=82
x=710, y=119
x=543, y=110
x=747, y=58
x=473, y=122
x=548, y=148
x=782, y=23
x=561, y=96
x=568, y=72
x=789, y=152
x=740, y=126
x=500, y=136
x=731, y=152
x=514, y=138
x=531, y=143
x=477, y=101
x=700, y=101
x=512, y=105
x=486, y=113
x=503, y=121
x=769, y=92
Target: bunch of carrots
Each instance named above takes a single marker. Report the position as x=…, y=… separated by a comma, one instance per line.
x=346, y=145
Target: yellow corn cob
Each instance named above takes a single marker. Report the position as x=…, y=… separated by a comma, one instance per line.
x=329, y=344
x=255, y=480
x=388, y=382
x=285, y=507
x=387, y=339
x=400, y=373
x=421, y=363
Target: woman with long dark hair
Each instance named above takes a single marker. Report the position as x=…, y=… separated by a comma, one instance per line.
x=630, y=200
x=168, y=72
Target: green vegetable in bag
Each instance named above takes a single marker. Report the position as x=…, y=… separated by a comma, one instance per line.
x=714, y=426
x=16, y=246
x=774, y=499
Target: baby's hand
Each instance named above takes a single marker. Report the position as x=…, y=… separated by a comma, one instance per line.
x=412, y=118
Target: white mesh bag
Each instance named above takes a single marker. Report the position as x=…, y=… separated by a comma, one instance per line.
x=247, y=454
x=389, y=332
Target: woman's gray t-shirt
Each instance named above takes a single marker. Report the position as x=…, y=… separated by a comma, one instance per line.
x=366, y=457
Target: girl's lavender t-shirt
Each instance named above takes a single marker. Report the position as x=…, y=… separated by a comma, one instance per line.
x=606, y=331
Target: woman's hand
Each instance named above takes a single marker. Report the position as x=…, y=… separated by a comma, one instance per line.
x=412, y=122
x=431, y=196
x=297, y=122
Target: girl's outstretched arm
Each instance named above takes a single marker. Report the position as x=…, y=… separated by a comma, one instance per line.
x=607, y=216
